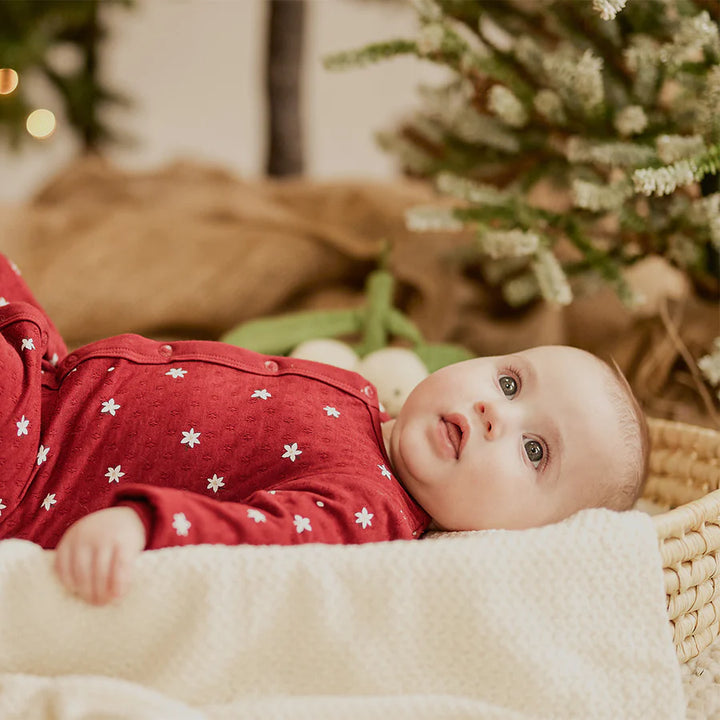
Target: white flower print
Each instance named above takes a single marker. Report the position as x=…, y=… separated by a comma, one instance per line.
x=14, y=267
x=28, y=344
x=264, y=394
x=302, y=523
x=256, y=515
x=181, y=524
x=176, y=373
x=331, y=411
x=384, y=471
x=42, y=454
x=190, y=438
x=110, y=369
x=2, y=506
x=49, y=501
x=291, y=451
x=3, y=301
x=215, y=482
x=110, y=406
x=22, y=426
x=114, y=474
x=54, y=359
x=364, y=518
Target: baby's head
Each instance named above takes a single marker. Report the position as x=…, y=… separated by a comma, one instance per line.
x=519, y=441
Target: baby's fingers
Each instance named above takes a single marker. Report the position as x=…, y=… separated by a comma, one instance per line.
x=101, y=575
x=120, y=573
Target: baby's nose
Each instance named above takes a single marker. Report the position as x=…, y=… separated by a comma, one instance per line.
x=489, y=419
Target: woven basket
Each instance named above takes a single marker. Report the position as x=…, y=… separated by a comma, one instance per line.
x=684, y=479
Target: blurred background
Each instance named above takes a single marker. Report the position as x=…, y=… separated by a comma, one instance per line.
x=194, y=73
x=454, y=178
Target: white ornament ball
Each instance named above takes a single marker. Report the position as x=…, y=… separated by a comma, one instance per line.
x=394, y=372
x=327, y=350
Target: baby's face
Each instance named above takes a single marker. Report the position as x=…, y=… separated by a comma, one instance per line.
x=510, y=442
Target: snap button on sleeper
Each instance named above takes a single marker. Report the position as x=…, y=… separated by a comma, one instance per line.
x=165, y=350
x=368, y=390
x=271, y=365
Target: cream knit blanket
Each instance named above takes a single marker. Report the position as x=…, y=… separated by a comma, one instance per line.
x=566, y=621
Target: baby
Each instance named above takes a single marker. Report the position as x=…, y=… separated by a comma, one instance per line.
x=130, y=444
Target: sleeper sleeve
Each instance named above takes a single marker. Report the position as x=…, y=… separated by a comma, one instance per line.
x=301, y=512
x=13, y=289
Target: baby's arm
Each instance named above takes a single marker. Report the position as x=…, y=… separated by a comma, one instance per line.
x=94, y=557
x=337, y=509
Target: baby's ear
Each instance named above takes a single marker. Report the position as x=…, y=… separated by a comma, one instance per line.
x=394, y=372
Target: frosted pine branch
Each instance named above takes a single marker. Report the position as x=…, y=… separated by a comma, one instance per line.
x=665, y=180
x=551, y=278
x=550, y=106
x=431, y=219
x=618, y=154
x=678, y=147
x=608, y=9
x=508, y=243
x=370, y=54
x=428, y=10
x=578, y=82
x=591, y=196
x=520, y=290
x=631, y=120
x=710, y=364
x=473, y=192
x=506, y=106
x=409, y=154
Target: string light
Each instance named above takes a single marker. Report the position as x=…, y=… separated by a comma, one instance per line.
x=41, y=123
x=8, y=80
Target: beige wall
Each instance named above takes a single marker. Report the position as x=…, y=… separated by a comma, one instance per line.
x=193, y=70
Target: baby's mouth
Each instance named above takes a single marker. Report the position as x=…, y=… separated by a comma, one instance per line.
x=457, y=430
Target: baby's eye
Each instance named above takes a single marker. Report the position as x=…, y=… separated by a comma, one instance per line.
x=508, y=385
x=534, y=451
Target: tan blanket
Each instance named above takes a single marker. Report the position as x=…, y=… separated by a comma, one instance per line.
x=566, y=621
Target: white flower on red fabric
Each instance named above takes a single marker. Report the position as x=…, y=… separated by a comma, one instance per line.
x=49, y=501
x=14, y=267
x=22, y=426
x=114, y=474
x=291, y=451
x=110, y=369
x=42, y=454
x=264, y=394
x=3, y=301
x=28, y=344
x=2, y=507
x=364, y=518
x=181, y=524
x=302, y=523
x=190, y=438
x=384, y=471
x=177, y=373
x=110, y=406
x=54, y=359
x=215, y=482
x=256, y=515
x=331, y=411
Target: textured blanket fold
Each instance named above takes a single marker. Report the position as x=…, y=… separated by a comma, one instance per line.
x=566, y=621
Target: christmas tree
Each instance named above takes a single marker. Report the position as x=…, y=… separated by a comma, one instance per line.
x=30, y=32
x=616, y=107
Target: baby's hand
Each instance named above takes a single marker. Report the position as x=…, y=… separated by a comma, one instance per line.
x=95, y=555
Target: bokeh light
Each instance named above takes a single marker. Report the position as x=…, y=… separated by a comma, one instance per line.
x=8, y=80
x=41, y=123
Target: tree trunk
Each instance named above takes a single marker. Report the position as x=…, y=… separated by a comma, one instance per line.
x=283, y=85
